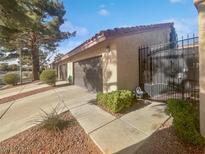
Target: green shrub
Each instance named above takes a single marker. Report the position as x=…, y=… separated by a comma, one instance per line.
x=4, y=67
x=70, y=79
x=116, y=101
x=1, y=81
x=186, y=121
x=53, y=121
x=11, y=78
x=48, y=76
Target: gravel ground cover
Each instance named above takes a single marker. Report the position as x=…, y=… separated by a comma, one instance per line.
x=164, y=141
x=71, y=140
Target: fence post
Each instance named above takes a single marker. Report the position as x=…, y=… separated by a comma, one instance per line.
x=20, y=63
x=200, y=5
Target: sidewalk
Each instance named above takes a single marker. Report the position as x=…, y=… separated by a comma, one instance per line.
x=21, y=89
x=120, y=135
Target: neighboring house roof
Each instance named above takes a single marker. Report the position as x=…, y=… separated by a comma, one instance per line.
x=112, y=33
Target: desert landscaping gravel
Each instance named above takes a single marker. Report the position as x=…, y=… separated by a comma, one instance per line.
x=73, y=140
x=37, y=140
x=164, y=141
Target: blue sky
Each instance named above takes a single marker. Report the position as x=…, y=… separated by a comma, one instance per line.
x=88, y=17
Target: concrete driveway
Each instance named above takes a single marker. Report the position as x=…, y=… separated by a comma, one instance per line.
x=25, y=111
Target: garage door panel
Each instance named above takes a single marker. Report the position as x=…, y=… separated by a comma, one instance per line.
x=88, y=74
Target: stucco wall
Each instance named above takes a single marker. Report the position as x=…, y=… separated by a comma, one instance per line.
x=109, y=62
x=120, y=63
x=109, y=59
x=201, y=8
x=127, y=55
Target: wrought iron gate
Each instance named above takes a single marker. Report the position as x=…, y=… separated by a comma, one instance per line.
x=170, y=70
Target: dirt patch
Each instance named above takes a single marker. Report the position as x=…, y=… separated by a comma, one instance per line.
x=71, y=140
x=24, y=94
x=165, y=141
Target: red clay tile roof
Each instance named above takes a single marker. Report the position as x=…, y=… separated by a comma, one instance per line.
x=116, y=32
x=136, y=29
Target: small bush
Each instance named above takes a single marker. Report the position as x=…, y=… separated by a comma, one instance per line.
x=52, y=121
x=48, y=76
x=116, y=101
x=70, y=79
x=1, y=81
x=11, y=79
x=186, y=121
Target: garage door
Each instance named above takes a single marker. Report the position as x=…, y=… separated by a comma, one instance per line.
x=88, y=74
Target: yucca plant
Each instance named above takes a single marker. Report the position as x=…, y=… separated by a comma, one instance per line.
x=52, y=121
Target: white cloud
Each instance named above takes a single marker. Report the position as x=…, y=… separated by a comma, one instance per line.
x=176, y=1
x=184, y=26
x=72, y=44
x=68, y=45
x=104, y=12
x=68, y=26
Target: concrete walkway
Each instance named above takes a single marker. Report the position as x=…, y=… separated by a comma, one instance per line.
x=111, y=134
x=120, y=135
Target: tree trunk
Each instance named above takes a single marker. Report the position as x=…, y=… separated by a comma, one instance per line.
x=35, y=58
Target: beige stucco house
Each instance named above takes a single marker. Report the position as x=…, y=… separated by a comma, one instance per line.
x=109, y=60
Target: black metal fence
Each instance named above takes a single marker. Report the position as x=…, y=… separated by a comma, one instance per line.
x=15, y=63
x=170, y=70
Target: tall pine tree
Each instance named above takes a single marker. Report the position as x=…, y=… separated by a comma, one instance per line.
x=34, y=24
